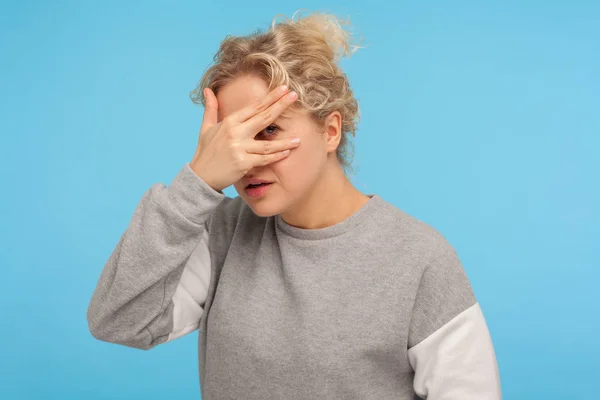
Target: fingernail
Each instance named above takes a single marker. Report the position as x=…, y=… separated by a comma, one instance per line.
x=292, y=95
x=295, y=140
x=283, y=88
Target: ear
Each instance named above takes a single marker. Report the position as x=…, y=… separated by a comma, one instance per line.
x=333, y=129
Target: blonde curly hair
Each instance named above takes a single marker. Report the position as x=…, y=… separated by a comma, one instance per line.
x=301, y=53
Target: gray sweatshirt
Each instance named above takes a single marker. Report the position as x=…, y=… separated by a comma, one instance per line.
x=377, y=306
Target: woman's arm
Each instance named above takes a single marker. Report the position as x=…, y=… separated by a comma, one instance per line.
x=154, y=284
x=450, y=347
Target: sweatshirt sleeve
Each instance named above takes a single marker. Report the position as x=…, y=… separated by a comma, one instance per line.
x=140, y=299
x=450, y=348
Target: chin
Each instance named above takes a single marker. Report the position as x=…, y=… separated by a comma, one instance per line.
x=263, y=209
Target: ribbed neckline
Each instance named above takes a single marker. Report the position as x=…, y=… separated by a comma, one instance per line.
x=323, y=233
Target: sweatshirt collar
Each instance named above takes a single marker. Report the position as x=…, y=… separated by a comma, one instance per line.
x=334, y=230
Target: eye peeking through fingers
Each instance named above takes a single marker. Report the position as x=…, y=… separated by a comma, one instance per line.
x=270, y=131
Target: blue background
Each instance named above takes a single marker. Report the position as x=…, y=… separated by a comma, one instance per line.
x=481, y=118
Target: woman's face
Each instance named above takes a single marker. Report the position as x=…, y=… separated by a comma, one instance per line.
x=293, y=176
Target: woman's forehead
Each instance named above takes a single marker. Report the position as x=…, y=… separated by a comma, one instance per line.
x=239, y=93
x=244, y=91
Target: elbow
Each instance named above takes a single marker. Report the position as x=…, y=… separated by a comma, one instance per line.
x=110, y=331
x=108, y=335
x=97, y=323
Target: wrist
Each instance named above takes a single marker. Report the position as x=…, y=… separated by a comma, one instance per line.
x=196, y=169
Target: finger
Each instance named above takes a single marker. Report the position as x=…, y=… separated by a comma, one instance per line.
x=265, y=118
x=265, y=159
x=210, y=109
x=269, y=146
x=259, y=105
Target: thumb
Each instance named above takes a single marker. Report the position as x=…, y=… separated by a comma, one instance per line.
x=210, y=109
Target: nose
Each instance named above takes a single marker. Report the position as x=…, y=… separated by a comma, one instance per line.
x=255, y=172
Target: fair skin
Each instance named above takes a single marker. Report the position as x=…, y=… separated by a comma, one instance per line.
x=310, y=188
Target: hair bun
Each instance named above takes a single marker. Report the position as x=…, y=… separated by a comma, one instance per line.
x=329, y=28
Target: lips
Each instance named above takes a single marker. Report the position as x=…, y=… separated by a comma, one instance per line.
x=258, y=190
x=255, y=182
x=257, y=185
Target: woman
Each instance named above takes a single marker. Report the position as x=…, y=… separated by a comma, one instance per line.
x=302, y=286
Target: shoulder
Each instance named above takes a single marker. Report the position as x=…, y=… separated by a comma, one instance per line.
x=442, y=287
x=410, y=234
